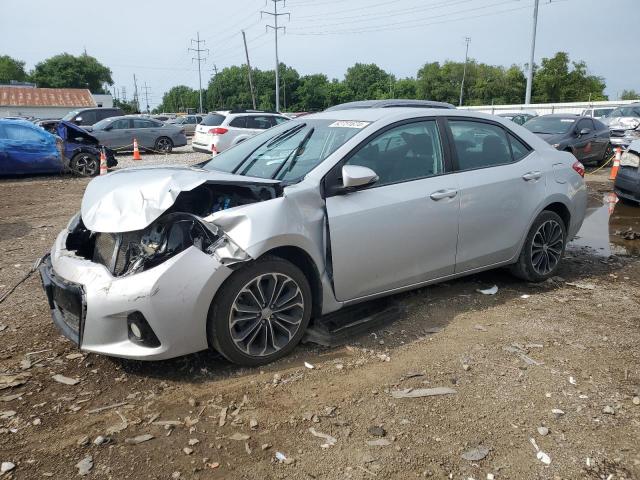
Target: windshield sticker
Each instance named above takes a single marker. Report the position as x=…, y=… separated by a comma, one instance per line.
x=348, y=124
x=567, y=120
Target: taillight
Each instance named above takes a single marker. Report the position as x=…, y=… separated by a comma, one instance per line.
x=579, y=168
x=218, y=131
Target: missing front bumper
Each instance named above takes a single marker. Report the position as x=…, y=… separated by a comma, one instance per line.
x=67, y=302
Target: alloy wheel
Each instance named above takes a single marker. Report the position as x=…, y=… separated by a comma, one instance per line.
x=546, y=248
x=163, y=145
x=266, y=314
x=86, y=165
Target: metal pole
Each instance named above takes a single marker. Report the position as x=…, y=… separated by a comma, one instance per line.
x=199, y=73
x=527, y=98
x=246, y=51
x=464, y=70
x=275, y=32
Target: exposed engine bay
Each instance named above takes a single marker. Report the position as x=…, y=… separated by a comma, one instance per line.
x=179, y=228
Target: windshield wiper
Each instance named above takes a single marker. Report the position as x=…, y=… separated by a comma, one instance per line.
x=294, y=158
x=271, y=143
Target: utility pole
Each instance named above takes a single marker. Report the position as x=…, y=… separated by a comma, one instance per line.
x=275, y=28
x=464, y=70
x=136, y=99
x=246, y=51
x=527, y=98
x=215, y=78
x=124, y=94
x=199, y=59
x=146, y=95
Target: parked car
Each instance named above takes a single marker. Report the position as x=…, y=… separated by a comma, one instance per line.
x=311, y=216
x=26, y=148
x=188, y=122
x=81, y=150
x=627, y=183
x=219, y=131
x=624, y=124
x=585, y=137
x=597, y=112
x=90, y=116
x=520, y=118
x=119, y=132
x=389, y=103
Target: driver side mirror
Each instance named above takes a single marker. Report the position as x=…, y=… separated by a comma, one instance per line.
x=77, y=120
x=354, y=176
x=584, y=131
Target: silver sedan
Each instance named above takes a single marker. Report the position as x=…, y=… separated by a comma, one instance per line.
x=119, y=132
x=247, y=252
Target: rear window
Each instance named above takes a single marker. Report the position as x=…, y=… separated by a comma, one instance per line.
x=213, y=120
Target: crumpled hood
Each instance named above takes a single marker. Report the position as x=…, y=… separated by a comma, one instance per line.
x=67, y=130
x=132, y=199
x=623, y=123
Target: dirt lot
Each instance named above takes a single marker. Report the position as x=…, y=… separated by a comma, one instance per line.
x=512, y=359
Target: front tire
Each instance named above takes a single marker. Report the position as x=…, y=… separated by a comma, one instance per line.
x=260, y=313
x=164, y=145
x=543, y=249
x=85, y=164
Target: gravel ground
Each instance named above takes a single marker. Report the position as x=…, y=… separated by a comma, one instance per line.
x=179, y=156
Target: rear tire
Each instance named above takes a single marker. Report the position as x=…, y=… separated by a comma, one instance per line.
x=543, y=249
x=164, y=145
x=85, y=164
x=608, y=152
x=248, y=328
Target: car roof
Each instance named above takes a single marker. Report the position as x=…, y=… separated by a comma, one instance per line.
x=390, y=103
x=562, y=115
x=375, y=114
x=16, y=121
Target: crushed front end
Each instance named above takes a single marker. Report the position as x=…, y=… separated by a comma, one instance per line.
x=143, y=294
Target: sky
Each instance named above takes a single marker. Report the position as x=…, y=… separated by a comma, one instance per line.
x=150, y=38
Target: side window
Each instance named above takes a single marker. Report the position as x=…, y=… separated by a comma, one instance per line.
x=518, y=149
x=238, y=122
x=89, y=117
x=584, y=123
x=280, y=120
x=479, y=145
x=121, y=124
x=138, y=123
x=23, y=134
x=259, y=122
x=404, y=153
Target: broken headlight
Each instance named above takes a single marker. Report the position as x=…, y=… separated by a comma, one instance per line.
x=630, y=159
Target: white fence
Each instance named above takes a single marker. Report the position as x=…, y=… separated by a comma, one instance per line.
x=546, y=108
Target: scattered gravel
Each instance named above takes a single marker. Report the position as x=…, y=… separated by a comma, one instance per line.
x=180, y=156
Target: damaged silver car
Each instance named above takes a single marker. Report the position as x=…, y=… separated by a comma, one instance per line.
x=247, y=251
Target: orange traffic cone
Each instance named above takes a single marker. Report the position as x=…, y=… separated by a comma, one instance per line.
x=616, y=164
x=103, y=162
x=136, y=150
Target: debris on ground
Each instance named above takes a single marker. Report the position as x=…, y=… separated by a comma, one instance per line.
x=376, y=431
x=139, y=439
x=239, y=437
x=488, y=291
x=476, y=454
x=308, y=365
x=422, y=392
x=65, y=380
x=10, y=381
x=582, y=286
x=85, y=465
x=329, y=440
x=522, y=355
x=540, y=455
x=380, y=442
x=7, y=467
x=609, y=410
x=544, y=431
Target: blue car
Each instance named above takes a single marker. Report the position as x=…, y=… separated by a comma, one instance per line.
x=26, y=149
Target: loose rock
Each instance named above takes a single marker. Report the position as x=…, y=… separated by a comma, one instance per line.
x=608, y=409
x=85, y=465
x=139, y=439
x=377, y=431
x=543, y=431
x=476, y=454
x=7, y=467
x=65, y=380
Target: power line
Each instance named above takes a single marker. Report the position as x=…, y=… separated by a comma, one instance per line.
x=199, y=59
x=136, y=100
x=246, y=51
x=527, y=96
x=275, y=15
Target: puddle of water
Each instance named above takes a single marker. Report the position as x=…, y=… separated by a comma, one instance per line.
x=605, y=216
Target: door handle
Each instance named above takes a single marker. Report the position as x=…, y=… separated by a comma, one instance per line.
x=441, y=194
x=527, y=177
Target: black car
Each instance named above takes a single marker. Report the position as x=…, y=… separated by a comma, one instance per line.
x=89, y=116
x=585, y=137
x=627, y=184
x=519, y=118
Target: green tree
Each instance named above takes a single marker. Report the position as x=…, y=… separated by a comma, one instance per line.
x=629, y=95
x=313, y=93
x=11, y=69
x=404, y=88
x=178, y=99
x=367, y=82
x=127, y=107
x=559, y=80
x=68, y=71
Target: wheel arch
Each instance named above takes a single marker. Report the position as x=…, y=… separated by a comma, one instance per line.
x=301, y=259
x=562, y=211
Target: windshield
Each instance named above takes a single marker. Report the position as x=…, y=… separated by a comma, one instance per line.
x=625, y=112
x=71, y=115
x=288, y=151
x=213, y=120
x=550, y=125
x=102, y=123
